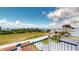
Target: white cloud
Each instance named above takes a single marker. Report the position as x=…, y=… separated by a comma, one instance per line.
x=54, y=25
x=63, y=13
x=18, y=22
x=55, y=15
x=73, y=21
x=43, y=13
x=4, y=23
x=67, y=15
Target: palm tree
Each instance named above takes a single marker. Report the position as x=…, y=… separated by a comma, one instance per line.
x=67, y=29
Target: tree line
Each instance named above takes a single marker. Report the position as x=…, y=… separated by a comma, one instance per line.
x=21, y=30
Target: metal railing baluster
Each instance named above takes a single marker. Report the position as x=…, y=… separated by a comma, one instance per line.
x=70, y=47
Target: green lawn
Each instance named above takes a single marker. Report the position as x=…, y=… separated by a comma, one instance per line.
x=46, y=41
x=10, y=38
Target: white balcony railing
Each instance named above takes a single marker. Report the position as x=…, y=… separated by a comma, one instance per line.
x=37, y=45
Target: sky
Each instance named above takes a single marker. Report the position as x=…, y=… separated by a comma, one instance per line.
x=65, y=15
x=38, y=17
x=28, y=16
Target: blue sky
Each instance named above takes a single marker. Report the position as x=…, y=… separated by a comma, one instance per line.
x=30, y=15
x=38, y=16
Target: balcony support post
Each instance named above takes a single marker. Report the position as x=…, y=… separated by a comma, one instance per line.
x=49, y=43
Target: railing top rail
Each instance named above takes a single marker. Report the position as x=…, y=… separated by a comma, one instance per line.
x=34, y=42
x=68, y=42
x=13, y=49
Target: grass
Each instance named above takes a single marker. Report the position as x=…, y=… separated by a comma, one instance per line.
x=72, y=37
x=46, y=41
x=10, y=38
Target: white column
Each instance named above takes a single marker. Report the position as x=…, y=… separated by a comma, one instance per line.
x=49, y=43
